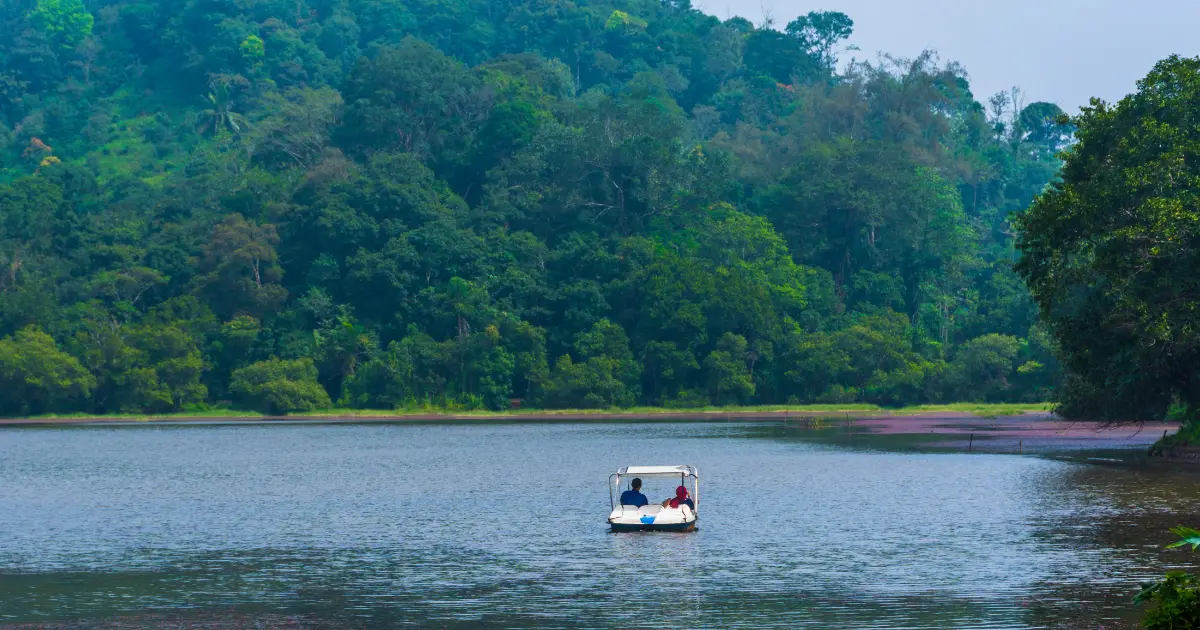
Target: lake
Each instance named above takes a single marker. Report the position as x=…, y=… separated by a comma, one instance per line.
x=503, y=525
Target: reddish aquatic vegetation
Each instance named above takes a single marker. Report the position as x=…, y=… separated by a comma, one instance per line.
x=1029, y=431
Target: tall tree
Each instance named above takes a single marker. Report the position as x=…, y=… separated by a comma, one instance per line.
x=820, y=32
x=241, y=268
x=66, y=22
x=1109, y=252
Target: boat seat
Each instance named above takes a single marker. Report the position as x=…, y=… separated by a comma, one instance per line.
x=648, y=510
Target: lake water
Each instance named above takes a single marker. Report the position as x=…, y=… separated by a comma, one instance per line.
x=496, y=525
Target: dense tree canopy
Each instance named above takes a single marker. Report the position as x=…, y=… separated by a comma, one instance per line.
x=1110, y=252
x=284, y=206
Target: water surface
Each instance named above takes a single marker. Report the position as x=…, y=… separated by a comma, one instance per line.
x=503, y=526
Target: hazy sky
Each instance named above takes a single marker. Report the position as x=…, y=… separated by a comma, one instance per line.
x=1062, y=51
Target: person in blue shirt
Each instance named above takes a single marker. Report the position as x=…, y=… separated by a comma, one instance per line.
x=634, y=496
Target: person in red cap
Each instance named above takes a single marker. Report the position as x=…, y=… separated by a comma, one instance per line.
x=681, y=498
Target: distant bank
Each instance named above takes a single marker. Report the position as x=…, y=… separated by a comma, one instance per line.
x=782, y=413
x=1003, y=428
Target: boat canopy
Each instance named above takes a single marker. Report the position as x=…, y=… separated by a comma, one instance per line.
x=657, y=470
x=684, y=472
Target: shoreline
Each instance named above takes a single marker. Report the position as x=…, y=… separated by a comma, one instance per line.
x=566, y=415
x=980, y=428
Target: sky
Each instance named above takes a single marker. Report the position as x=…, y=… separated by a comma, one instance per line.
x=1061, y=51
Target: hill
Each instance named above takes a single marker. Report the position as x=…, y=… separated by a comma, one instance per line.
x=383, y=203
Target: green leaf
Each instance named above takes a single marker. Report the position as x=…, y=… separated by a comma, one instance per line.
x=1187, y=536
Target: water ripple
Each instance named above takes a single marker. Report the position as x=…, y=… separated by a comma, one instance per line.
x=503, y=526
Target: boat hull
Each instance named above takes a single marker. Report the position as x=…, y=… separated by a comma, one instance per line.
x=652, y=518
x=651, y=527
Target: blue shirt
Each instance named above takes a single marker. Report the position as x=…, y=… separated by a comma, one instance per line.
x=634, y=498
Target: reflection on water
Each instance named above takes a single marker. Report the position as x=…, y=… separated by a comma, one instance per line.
x=503, y=525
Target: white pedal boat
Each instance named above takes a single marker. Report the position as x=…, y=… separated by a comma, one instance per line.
x=653, y=517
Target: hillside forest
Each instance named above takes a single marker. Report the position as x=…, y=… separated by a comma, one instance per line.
x=385, y=204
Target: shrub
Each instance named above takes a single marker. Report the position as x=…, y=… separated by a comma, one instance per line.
x=1174, y=600
x=278, y=386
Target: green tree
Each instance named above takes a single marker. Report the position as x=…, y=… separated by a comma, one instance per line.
x=668, y=369
x=172, y=368
x=297, y=126
x=1174, y=601
x=241, y=268
x=276, y=386
x=493, y=368
x=983, y=366
x=729, y=380
x=781, y=58
x=819, y=33
x=219, y=115
x=607, y=376
x=37, y=377
x=1046, y=126
x=66, y=22
x=253, y=51
x=340, y=345
x=411, y=98
x=383, y=187
x=531, y=368
x=232, y=347
x=1115, y=288
x=872, y=357
x=410, y=372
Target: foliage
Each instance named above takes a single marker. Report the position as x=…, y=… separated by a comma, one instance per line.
x=607, y=376
x=241, y=268
x=819, y=32
x=445, y=204
x=66, y=22
x=1115, y=287
x=622, y=21
x=1187, y=435
x=1187, y=536
x=220, y=115
x=253, y=50
x=729, y=379
x=37, y=377
x=1174, y=600
x=276, y=386
x=983, y=366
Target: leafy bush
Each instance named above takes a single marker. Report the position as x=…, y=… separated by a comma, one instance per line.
x=36, y=377
x=1174, y=600
x=278, y=386
x=837, y=394
x=687, y=399
x=607, y=377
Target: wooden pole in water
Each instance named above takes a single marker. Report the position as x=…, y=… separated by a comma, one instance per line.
x=971, y=443
x=1021, y=447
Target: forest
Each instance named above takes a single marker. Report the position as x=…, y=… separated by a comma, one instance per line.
x=469, y=204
